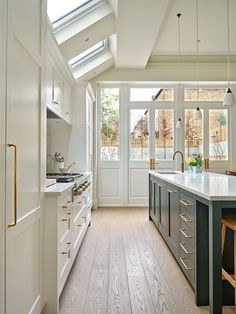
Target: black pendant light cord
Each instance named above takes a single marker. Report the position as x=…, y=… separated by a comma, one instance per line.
x=179, y=15
x=197, y=65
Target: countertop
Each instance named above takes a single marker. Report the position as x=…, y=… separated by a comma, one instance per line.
x=59, y=188
x=209, y=185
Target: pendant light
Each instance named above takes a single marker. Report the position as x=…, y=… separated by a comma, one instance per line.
x=197, y=112
x=228, y=97
x=179, y=123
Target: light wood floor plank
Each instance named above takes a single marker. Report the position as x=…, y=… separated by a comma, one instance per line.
x=118, y=295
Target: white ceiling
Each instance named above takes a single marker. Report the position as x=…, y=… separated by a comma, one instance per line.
x=147, y=31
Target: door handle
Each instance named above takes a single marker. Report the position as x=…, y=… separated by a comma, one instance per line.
x=13, y=224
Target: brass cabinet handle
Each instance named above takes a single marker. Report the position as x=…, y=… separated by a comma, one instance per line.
x=67, y=206
x=171, y=191
x=186, y=203
x=185, y=266
x=185, y=218
x=182, y=230
x=67, y=219
x=13, y=224
x=183, y=247
x=67, y=251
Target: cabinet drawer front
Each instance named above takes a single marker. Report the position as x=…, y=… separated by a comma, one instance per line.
x=78, y=204
x=187, y=234
x=64, y=260
x=187, y=266
x=66, y=201
x=186, y=249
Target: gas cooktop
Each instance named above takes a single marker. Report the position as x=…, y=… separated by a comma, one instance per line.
x=64, y=177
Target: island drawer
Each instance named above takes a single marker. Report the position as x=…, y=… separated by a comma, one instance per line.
x=187, y=234
x=186, y=249
x=187, y=266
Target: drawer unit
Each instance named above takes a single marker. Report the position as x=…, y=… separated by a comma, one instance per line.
x=187, y=266
x=64, y=260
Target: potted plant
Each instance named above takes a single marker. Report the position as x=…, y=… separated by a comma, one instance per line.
x=195, y=163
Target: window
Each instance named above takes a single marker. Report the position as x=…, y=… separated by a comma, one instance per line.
x=193, y=132
x=61, y=11
x=88, y=54
x=139, y=134
x=204, y=94
x=110, y=124
x=146, y=94
x=218, y=134
x=164, y=134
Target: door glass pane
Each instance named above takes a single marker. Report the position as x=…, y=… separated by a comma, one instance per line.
x=204, y=94
x=193, y=134
x=218, y=134
x=147, y=94
x=139, y=134
x=164, y=134
x=110, y=124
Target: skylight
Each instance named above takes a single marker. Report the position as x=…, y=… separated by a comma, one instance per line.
x=58, y=10
x=87, y=54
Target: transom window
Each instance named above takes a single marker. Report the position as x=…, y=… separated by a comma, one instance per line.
x=147, y=94
x=204, y=94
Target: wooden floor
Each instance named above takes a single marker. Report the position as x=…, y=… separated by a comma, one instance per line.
x=124, y=266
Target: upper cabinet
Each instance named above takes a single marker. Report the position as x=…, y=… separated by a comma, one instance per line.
x=59, y=86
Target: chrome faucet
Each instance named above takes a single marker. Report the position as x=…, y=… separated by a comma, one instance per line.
x=182, y=157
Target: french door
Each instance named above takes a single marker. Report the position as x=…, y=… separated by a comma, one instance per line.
x=151, y=145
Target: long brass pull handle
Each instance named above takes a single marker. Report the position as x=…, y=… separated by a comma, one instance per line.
x=67, y=206
x=186, y=203
x=171, y=191
x=185, y=266
x=67, y=251
x=184, y=248
x=185, y=234
x=15, y=186
x=185, y=218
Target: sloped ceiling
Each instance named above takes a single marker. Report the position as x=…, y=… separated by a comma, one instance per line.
x=143, y=32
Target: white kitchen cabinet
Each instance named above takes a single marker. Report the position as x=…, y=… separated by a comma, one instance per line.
x=67, y=217
x=24, y=146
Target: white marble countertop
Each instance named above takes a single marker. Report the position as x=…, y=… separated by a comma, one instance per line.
x=59, y=188
x=209, y=185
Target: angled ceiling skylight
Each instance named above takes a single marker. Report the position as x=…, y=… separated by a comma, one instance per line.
x=88, y=54
x=58, y=10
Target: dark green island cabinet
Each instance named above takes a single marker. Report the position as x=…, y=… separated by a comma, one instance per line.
x=186, y=222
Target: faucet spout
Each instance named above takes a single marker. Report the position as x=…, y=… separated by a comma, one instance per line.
x=182, y=159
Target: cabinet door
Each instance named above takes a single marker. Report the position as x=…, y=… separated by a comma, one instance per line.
x=162, y=206
x=151, y=199
x=173, y=222
x=50, y=70
x=25, y=112
x=58, y=89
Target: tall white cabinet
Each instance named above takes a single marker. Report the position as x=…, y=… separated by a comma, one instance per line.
x=24, y=173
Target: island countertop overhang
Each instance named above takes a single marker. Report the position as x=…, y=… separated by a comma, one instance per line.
x=208, y=185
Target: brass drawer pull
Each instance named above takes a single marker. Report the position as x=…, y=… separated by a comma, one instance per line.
x=67, y=206
x=182, y=230
x=67, y=219
x=67, y=251
x=185, y=203
x=185, y=266
x=171, y=191
x=185, y=218
x=185, y=250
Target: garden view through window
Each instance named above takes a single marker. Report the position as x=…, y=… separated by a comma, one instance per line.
x=139, y=134
x=193, y=131
x=218, y=134
x=110, y=124
x=164, y=134
x=204, y=94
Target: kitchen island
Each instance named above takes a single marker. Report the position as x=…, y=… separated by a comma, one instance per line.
x=187, y=209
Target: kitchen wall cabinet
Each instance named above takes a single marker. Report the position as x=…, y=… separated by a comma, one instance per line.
x=23, y=146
